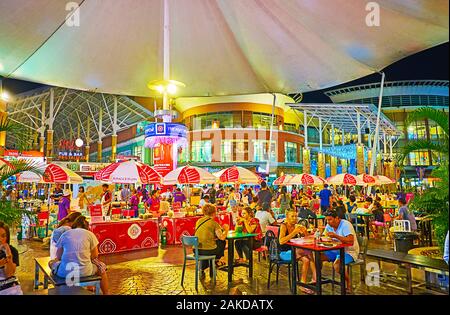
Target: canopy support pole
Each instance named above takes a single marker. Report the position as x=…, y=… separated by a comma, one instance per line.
x=377, y=128
x=271, y=134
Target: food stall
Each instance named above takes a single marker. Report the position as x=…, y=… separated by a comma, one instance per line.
x=120, y=232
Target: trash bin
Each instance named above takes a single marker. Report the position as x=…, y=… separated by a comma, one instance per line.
x=404, y=241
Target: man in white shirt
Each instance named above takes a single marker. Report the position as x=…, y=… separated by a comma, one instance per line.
x=264, y=216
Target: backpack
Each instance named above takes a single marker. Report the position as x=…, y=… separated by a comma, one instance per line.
x=271, y=241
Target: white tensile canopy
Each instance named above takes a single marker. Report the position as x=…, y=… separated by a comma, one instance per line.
x=217, y=47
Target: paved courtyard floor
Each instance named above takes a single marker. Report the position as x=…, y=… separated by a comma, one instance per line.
x=158, y=271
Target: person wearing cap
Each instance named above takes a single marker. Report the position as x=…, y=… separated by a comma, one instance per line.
x=304, y=212
x=343, y=231
x=64, y=204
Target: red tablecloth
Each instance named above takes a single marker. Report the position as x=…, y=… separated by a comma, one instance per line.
x=177, y=227
x=126, y=235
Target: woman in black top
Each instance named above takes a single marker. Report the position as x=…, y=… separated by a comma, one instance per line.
x=289, y=230
x=378, y=221
x=9, y=260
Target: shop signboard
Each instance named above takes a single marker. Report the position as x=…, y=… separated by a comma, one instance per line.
x=165, y=129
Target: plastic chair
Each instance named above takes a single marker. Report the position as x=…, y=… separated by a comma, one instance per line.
x=402, y=226
x=274, y=257
x=353, y=219
x=275, y=229
x=192, y=241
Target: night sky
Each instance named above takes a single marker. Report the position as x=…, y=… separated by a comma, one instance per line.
x=429, y=64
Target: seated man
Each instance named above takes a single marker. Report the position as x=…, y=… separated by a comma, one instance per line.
x=343, y=231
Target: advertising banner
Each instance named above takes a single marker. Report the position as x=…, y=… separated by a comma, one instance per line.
x=162, y=158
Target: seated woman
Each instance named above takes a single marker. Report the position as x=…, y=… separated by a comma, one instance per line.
x=249, y=224
x=378, y=218
x=64, y=225
x=211, y=237
x=9, y=260
x=289, y=230
x=304, y=212
x=77, y=248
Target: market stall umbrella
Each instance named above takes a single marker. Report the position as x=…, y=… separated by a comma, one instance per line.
x=345, y=179
x=237, y=175
x=383, y=180
x=283, y=180
x=52, y=174
x=189, y=175
x=128, y=172
x=367, y=179
x=306, y=179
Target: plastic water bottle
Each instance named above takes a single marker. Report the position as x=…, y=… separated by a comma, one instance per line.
x=317, y=236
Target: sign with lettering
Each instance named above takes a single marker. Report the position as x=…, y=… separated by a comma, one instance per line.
x=165, y=129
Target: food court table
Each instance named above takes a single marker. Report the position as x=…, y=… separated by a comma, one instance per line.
x=231, y=237
x=317, y=249
x=125, y=235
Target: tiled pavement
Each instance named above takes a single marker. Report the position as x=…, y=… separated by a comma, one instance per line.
x=158, y=271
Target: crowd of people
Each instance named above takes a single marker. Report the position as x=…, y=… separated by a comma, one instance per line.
x=72, y=244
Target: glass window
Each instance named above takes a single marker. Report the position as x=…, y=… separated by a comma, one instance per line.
x=234, y=150
x=290, y=127
x=210, y=120
x=261, y=150
x=419, y=158
x=290, y=152
x=261, y=120
x=137, y=151
x=313, y=134
x=201, y=151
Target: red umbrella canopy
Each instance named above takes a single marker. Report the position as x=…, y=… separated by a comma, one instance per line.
x=344, y=179
x=237, y=174
x=306, y=179
x=128, y=172
x=367, y=179
x=189, y=175
x=282, y=180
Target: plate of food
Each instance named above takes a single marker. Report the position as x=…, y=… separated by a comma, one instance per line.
x=327, y=244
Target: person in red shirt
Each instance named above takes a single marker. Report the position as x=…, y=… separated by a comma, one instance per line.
x=249, y=224
x=152, y=203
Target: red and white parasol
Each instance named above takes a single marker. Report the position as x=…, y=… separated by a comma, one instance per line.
x=283, y=180
x=384, y=180
x=52, y=174
x=128, y=172
x=306, y=179
x=345, y=179
x=189, y=175
x=237, y=175
x=367, y=179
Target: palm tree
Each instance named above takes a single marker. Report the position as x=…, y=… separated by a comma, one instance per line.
x=441, y=119
x=433, y=200
x=9, y=211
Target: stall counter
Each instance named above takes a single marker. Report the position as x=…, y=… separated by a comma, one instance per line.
x=126, y=235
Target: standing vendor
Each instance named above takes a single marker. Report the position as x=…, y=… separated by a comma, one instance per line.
x=178, y=196
x=152, y=203
x=106, y=200
x=64, y=204
x=134, y=202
